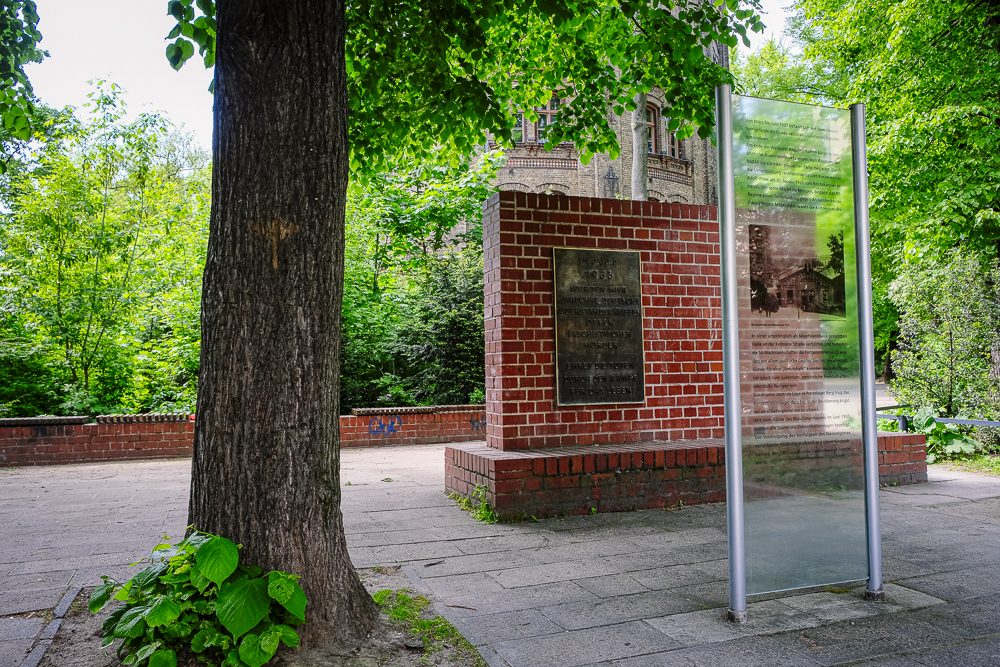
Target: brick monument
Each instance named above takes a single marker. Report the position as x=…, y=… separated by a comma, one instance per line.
x=542, y=459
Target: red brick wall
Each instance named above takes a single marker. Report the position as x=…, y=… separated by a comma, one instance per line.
x=78, y=443
x=120, y=438
x=902, y=458
x=622, y=477
x=411, y=429
x=682, y=317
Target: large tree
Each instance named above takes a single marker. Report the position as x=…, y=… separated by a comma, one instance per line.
x=415, y=75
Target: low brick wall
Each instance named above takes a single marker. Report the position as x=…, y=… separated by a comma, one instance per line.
x=623, y=477
x=54, y=440
x=413, y=426
x=48, y=444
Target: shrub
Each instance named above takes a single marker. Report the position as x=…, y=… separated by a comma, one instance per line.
x=196, y=602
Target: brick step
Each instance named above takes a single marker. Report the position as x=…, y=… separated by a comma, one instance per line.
x=625, y=477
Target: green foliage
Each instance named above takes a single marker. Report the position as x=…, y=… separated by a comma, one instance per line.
x=983, y=463
x=477, y=505
x=944, y=441
x=423, y=75
x=101, y=254
x=196, y=602
x=413, y=328
x=19, y=39
x=409, y=611
x=927, y=74
x=950, y=315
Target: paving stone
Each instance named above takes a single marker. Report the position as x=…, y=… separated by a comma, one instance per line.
x=849, y=641
x=971, y=619
x=958, y=585
x=746, y=652
x=528, y=597
x=984, y=653
x=13, y=653
x=675, y=576
x=490, y=628
x=618, y=609
x=706, y=596
x=581, y=647
x=710, y=625
x=18, y=602
x=553, y=572
x=458, y=585
x=20, y=628
x=611, y=585
x=35, y=582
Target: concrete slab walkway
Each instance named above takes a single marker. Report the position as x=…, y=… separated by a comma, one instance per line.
x=634, y=589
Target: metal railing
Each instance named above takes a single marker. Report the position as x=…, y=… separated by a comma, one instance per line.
x=904, y=420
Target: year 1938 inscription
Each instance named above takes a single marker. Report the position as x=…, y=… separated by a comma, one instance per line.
x=598, y=317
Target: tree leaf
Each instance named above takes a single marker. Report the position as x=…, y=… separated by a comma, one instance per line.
x=163, y=659
x=132, y=623
x=217, y=559
x=294, y=597
x=252, y=653
x=203, y=639
x=163, y=611
x=242, y=604
x=100, y=596
x=288, y=636
x=148, y=576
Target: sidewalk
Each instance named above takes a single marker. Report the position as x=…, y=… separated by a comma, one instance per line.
x=633, y=589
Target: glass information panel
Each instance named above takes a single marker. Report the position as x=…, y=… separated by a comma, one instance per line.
x=803, y=472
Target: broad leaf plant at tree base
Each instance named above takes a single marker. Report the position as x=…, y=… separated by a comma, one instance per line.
x=416, y=76
x=266, y=458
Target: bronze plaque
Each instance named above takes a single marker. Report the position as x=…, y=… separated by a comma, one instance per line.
x=598, y=316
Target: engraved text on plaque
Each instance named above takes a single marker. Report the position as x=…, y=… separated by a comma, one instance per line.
x=598, y=319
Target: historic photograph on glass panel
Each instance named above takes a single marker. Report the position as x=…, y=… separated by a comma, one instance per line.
x=791, y=271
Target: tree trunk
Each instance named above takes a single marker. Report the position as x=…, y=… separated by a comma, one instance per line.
x=640, y=161
x=266, y=469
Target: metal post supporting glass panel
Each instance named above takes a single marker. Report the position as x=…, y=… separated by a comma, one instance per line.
x=731, y=358
x=874, y=590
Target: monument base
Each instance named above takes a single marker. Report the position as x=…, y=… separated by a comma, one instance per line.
x=584, y=479
x=623, y=477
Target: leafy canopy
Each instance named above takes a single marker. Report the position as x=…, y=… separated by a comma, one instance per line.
x=19, y=38
x=429, y=73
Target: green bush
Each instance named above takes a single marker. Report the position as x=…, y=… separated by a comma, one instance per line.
x=944, y=441
x=195, y=601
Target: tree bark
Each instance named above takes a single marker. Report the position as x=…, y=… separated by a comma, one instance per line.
x=640, y=161
x=266, y=468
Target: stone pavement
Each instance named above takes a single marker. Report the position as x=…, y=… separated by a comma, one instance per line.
x=635, y=589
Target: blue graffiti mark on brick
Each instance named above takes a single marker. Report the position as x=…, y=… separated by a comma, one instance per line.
x=386, y=427
x=478, y=424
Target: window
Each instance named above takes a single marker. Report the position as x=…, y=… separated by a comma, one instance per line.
x=673, y=147
x=651, y=143
x=546, y=116
x=517, y=135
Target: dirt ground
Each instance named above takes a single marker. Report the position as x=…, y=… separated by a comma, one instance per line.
x=77, y=643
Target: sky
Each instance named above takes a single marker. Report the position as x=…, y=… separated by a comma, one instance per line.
x=122, y=41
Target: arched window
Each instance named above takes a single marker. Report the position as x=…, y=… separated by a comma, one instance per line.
x=651, y=143
x=546, y=116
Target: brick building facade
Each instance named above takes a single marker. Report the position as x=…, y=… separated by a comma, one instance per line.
x=679, y=171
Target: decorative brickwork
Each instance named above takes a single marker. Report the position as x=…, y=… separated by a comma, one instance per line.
x=617, y=478
x=682, y=313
